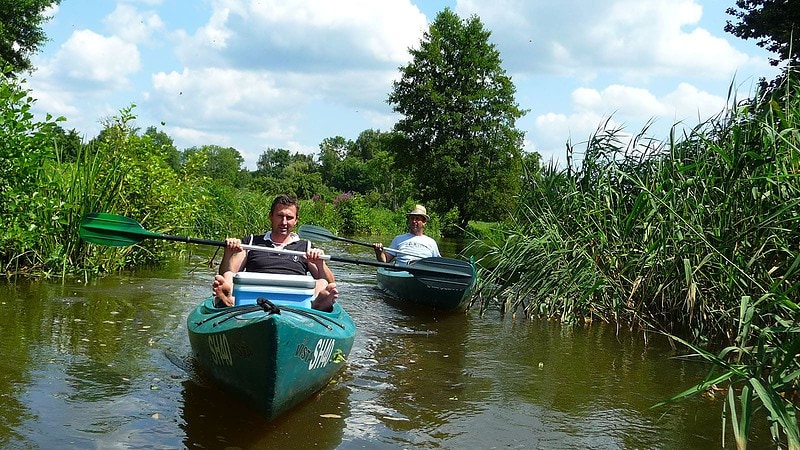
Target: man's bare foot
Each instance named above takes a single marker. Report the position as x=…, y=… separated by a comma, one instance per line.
x=326, y=298
x=222, y=290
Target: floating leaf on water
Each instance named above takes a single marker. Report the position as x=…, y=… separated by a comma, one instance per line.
x=338, y=356
x=397, y=419
x=330, y=416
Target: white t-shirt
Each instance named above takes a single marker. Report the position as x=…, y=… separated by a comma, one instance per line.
x=421, y=246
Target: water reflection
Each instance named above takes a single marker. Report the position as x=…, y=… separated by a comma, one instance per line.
x=106, y=365
x=212, y=419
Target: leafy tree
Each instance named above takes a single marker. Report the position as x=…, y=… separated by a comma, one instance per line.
x=67, y=143
x=164, y=142
x=459, y=121
x=774, y=23
x=365, y=166
x=21, y=31
x=279, y=172
x=272, y=162
x=331, y=153
x=223, y=164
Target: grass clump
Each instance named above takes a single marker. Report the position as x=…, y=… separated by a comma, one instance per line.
x=696, y=237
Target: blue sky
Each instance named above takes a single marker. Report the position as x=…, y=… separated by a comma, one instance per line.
x=259, y=74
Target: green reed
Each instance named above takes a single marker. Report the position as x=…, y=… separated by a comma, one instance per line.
x=671, y=237
x=121, y=173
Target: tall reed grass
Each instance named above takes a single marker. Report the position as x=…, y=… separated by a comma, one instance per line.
x=697, y=237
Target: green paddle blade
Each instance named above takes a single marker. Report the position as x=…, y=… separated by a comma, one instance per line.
x=113, y=230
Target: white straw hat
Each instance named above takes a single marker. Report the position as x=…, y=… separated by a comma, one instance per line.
x=419, y=210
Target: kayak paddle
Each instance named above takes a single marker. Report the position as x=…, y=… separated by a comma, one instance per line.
x=458, y=273
x=319, y=234
x=120, y=231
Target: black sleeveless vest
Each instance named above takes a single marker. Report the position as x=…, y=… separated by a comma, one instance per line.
x=268, y=262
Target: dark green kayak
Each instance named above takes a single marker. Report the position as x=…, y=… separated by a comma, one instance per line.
x=270, y=354
x=438, y=291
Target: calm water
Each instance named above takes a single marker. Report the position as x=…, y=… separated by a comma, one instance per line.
x=106, y=365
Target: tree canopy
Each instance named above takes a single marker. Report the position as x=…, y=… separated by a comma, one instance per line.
x=223, y=164
x=775, y=24
x=459, y=114
x=21, y=31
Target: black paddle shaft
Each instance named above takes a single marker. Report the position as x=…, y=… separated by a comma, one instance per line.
x=427, y=266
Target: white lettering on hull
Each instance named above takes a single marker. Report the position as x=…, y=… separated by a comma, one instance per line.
x=322, y=353
x=220, y=350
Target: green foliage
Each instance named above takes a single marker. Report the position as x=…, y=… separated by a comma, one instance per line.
x=21, y=31
x=366, y=166
x=459, y=115
x=280, y=172
x=676, y=237
x=353, y=210
x=26, y=145
x=761, y=367
x=774, y=24
x=162, y=141
x=233, y=212
x=272, y=162
x=47, y=194
x=223, y=164
x=320, y=213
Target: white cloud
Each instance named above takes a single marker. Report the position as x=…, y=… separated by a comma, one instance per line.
x=92, y=61
x=315, y=35
x=132, y=25
x=77, y=80
x=626, y=107
x=632, y=38
x=223, y=97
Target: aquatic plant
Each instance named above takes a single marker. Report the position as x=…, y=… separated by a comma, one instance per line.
x=671, y=237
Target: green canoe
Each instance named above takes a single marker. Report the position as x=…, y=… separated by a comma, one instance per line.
x=438, y=291
x=271, y=349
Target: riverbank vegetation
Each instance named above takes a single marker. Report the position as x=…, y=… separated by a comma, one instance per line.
x=50, y=179
x=696, y=237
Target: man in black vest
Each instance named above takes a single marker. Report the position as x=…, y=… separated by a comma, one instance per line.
x=283, y=217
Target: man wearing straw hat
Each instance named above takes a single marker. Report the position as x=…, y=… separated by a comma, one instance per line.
x=413, y=245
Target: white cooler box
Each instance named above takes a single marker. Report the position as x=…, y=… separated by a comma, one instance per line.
x=290, y=290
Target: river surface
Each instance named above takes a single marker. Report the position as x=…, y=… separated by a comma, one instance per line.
x=105, y=364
